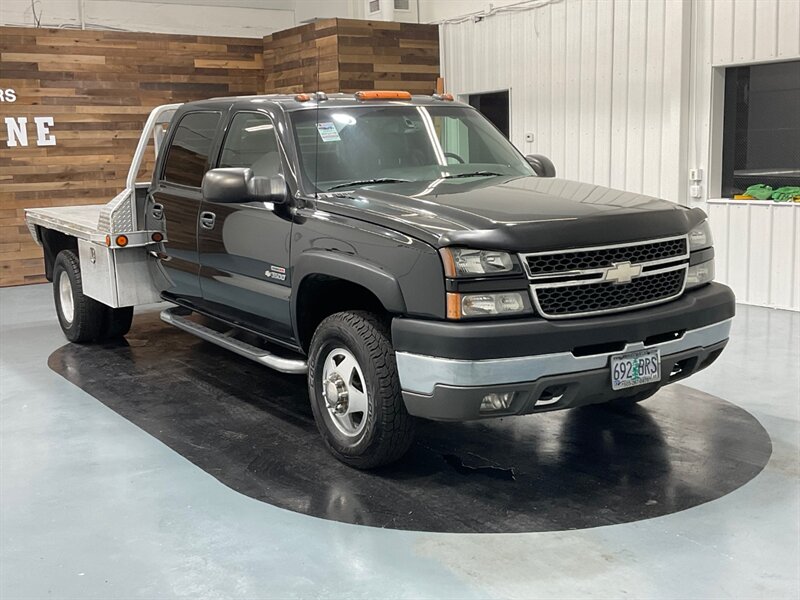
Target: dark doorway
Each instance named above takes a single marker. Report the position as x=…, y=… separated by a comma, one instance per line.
x=494, y=106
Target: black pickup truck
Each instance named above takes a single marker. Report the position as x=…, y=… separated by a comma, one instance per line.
x=402, y=253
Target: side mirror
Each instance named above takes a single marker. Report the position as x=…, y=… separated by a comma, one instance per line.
x=226, y=186
x=543, y=166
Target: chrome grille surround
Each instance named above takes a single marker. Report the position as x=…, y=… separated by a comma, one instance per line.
x=594, y=280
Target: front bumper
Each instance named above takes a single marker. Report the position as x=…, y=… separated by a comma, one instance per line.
x=553, y=365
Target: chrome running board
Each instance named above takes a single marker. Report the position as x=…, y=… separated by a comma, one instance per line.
x=174, y=317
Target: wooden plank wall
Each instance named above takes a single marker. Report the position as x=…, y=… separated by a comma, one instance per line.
x=379, y=55
x=99, y=88
x=294, y=59
x=353, y=55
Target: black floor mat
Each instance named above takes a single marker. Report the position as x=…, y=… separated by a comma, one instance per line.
x=252, y=429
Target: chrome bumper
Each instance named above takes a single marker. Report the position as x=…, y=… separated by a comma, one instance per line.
x=420, y=374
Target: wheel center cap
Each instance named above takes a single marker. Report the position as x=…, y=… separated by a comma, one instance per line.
x=335, y=391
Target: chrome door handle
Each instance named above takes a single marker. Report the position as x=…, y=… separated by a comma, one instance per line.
x=157, y=211
x=207, y=220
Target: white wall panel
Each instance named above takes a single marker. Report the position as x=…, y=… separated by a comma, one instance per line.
x=757, y=246
x=437, y=10
x=728, y=33
x=598, y=83
x=628, y=93
x=787, y=17
x=241, y=18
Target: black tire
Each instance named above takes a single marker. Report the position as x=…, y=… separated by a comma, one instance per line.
x=117, y=322
x=88, y=314
x=389, y=429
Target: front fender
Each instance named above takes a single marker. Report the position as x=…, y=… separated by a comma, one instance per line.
x=350, y=268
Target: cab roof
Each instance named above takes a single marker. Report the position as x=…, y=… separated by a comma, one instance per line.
x=290, y=102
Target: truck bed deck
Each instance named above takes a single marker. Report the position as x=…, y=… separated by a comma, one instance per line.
x=78, y=221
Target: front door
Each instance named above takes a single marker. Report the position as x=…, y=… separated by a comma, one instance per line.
x=174, y=205
x=244, y=247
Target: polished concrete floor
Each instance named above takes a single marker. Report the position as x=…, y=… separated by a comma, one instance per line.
x=94, y=506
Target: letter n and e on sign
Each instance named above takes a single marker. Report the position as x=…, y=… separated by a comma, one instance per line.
x=17, y=128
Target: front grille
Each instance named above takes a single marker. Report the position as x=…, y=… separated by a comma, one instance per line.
x=589, y=281
x=575, y=300
x=574, y=260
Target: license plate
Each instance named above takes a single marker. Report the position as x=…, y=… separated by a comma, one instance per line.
x=635, y=368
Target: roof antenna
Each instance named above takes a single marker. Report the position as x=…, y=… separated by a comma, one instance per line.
x=318, y=98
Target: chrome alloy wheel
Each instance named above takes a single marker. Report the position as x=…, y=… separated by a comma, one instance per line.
x=65, y=297
x=345, y=391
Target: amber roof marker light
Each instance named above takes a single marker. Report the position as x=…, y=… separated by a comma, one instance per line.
x=382, y=95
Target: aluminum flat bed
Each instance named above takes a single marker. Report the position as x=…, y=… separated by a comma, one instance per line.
x=78, y=221
x=112, y=242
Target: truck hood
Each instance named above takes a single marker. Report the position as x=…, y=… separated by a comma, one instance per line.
x=520, y=214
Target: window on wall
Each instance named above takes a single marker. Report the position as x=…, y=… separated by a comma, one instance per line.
x=401, y=5
x=761, y=131
x=374, y=6
x=187, y=160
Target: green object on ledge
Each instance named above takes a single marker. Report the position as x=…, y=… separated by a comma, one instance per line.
x=785, y=193
x=759, y=191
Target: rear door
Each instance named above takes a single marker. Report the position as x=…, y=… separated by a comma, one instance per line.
x=244, y=248
x=174, y=203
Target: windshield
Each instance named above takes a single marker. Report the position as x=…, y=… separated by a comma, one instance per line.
x=386, y=144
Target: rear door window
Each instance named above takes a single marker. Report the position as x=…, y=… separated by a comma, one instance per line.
x=187, y=160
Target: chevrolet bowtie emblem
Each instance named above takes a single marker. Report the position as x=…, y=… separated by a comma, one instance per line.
x=622, y=272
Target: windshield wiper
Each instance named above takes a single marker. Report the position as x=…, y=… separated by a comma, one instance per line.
x=474, y=174
x=367, y=182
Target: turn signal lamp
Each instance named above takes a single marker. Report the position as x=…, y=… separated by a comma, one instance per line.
x=122, y=241
x=453, y=305
x=302, y=97
x=108, y=241
x=383, y=95
x=157, y=236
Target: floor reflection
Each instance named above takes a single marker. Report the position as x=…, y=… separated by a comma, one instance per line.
x=252, y=429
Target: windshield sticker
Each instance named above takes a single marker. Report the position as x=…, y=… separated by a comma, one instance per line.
x=328, y=133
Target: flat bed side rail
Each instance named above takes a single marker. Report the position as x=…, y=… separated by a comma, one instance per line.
x=104, y=224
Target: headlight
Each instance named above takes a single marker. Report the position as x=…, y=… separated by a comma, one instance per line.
x=700, y=237
x=463, y=262
x=485, y=304
x=700, y=274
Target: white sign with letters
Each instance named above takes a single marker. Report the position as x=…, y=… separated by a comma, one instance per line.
x=17, y=127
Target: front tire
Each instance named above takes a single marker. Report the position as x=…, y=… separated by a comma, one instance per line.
x=355, y=391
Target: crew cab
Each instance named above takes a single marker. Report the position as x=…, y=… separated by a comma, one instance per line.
x=401, y=253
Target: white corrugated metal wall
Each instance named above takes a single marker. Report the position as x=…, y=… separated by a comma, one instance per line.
x=728, y=33
x=599, y=84
x=628, y=93
x=757, y=249
x=757, y=244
